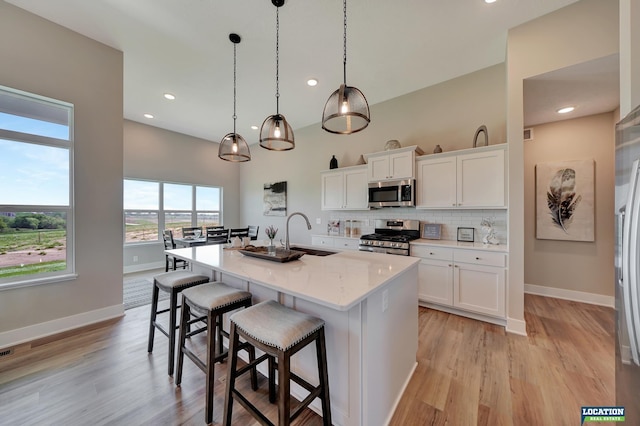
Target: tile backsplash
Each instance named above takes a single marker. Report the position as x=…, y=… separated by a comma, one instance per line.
x=449, y=219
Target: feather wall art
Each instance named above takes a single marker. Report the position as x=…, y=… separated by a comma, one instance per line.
x=565, y=200
x=561, y=197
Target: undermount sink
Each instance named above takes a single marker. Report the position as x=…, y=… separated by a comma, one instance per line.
x=313, y=252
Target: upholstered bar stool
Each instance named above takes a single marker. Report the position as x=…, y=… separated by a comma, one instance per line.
x=280, y=332
x=173, y=283
x=209, y=302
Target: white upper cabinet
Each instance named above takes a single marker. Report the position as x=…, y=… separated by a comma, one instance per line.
x=475, y=179
x=345, y=189
x=392, y=165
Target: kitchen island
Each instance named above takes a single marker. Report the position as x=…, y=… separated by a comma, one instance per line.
x=369, y=302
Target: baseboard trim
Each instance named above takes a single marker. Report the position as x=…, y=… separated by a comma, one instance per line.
x=45, y=329
x=143, y=267
x=575, y=296
x=516, y=326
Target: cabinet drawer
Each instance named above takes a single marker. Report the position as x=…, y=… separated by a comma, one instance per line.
x=346, y=243
x=429, y=252
x=481, y=258
x=322, y=241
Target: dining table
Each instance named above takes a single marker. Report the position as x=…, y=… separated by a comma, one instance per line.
x=190, y=241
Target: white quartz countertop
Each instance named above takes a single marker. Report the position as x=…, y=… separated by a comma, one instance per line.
x=461, y=245
x=338, y=281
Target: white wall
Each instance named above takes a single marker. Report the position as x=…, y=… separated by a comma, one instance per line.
x=43, y=58
x=573, y=265
x=447, y=114
x=580, y=32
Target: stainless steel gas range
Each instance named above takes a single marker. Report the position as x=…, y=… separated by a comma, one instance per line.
x=392, y=236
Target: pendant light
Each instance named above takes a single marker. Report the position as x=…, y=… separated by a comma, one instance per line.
x=276, y=133
x=233, y=147
x=346, y=110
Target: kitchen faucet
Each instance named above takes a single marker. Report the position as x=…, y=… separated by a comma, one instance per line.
x=286, y=235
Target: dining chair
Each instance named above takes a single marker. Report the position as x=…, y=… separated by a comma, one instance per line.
x=253, y=231
x=217, y=236
x=190, y=231
x=170, y=244
x=211, y=228
x=238, y=232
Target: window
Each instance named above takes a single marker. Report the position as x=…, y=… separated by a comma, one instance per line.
x=150, y=207
x=36, y=195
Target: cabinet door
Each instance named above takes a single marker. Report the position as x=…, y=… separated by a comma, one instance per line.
x=378, y=168
x=346, y=243
x=436, y=183
x=435, y=281
x=401, y=165
x=481, y=179
x=479, y=289
x=320, y=240
x=333, y=191
x=355, y=189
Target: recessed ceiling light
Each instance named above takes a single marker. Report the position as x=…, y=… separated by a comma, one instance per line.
x=148, y=115
x=489, y=1
x=254, y=127
x=565, y=110
x=169, y=96
x=312, y=82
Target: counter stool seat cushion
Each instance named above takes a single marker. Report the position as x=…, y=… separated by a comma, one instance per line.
x=178, y=279
x=275, y=325
x=212, y=296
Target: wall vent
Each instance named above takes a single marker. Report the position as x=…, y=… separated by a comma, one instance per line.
x=528, y=134
x=6, y=352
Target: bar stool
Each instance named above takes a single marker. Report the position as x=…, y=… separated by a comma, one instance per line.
x=209, y=302
x=280, y=332
x=173, y=283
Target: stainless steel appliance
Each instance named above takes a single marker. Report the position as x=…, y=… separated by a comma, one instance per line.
x=392, y=236
x=393, y=193
x=627, y=262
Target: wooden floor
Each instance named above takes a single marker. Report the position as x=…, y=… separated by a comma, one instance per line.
x=469, y=373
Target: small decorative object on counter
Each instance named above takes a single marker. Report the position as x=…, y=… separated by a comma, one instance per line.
x=437, y=149
x=361, y=160
x=271, y=234
x=333, y=164
x=489, y=233
x=392, y=144
x=482, y=128
x=466, y=234
x=333, y=227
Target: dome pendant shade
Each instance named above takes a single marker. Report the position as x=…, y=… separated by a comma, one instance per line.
x=346, y=111
x=234, y=148
x=276, y=134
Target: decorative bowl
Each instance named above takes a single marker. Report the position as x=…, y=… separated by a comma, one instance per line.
x=392, y=144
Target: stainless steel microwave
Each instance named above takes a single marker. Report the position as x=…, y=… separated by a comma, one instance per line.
x=394, y=193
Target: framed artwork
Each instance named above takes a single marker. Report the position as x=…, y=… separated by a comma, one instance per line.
x=565, y=200
x=275, y=199
x=466, y=234
x=431, y=231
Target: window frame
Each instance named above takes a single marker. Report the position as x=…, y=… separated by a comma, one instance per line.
x=161, y=212
x=69, y=273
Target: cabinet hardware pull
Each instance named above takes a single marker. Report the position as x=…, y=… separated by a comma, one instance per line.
x=477, y=258
x=449, y=265
x=431, y=253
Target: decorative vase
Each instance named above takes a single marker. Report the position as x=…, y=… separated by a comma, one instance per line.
x=271, y=248
x=437, y=149
x=333, y=164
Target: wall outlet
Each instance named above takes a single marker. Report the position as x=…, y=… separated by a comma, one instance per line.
x=135, y=259
x=318, y=221
x=385, y=300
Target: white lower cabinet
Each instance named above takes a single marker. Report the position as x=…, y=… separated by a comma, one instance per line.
x=339, y=243
x=467, y=280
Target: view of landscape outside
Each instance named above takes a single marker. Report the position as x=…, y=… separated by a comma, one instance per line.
x=32, y=243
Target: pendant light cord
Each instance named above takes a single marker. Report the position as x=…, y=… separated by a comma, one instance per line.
x=234, y=88
x=277, y=60
x=344, y=57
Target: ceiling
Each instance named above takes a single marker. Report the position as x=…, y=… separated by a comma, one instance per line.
x=182, y=47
